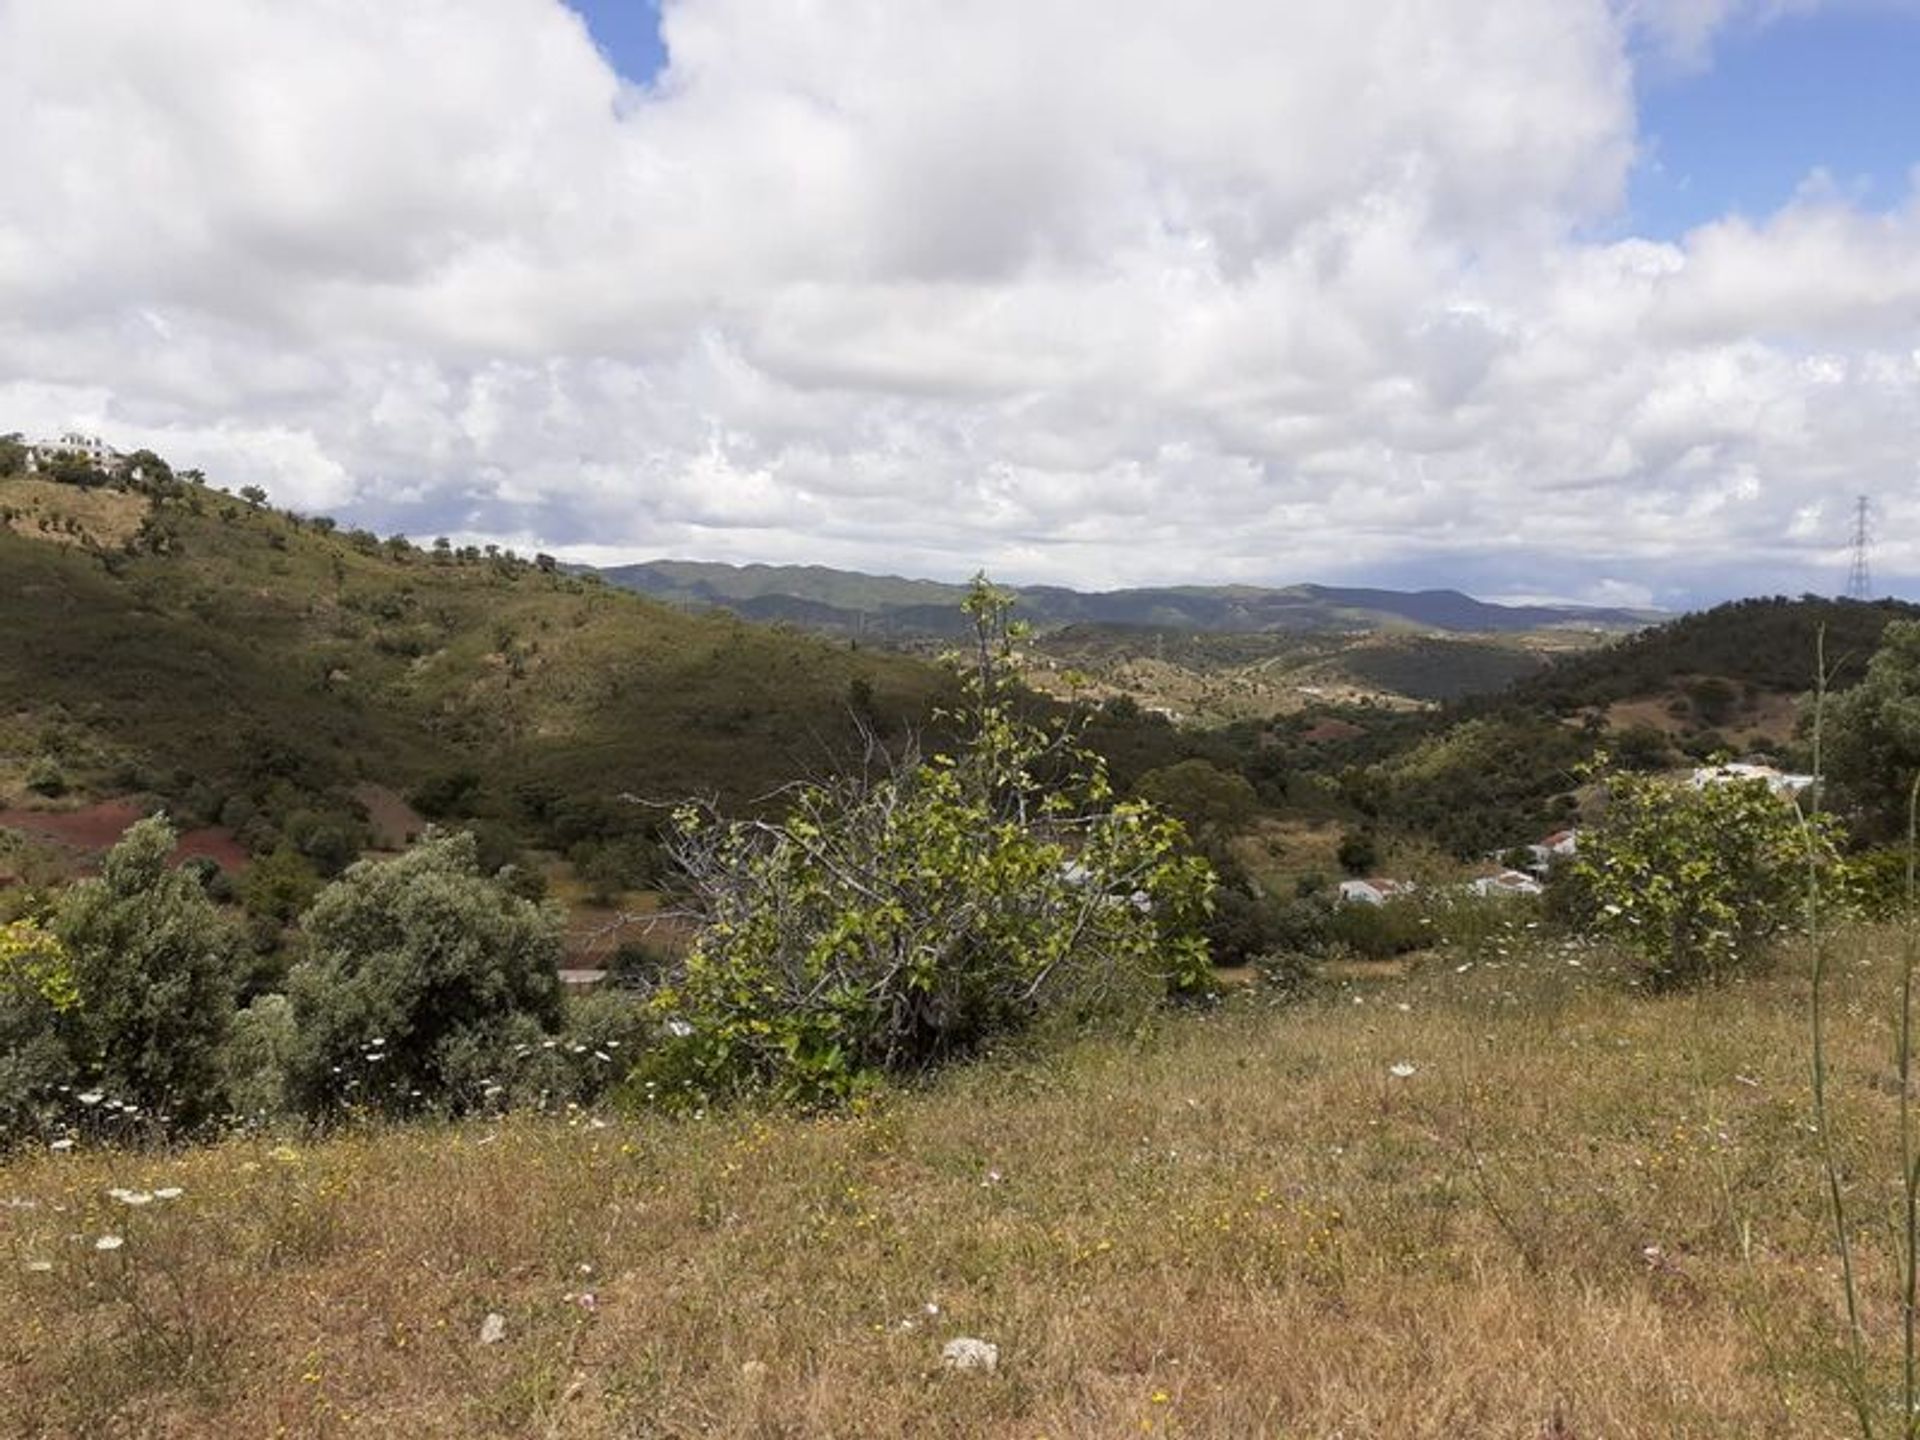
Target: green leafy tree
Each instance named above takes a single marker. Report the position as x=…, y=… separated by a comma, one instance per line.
x=1697, y=880
x=1359, y=852
x=259, y=1056
x=1872, y=735
x=430, y=966
x=253, y=495
x=13, y=454
x=154, y=967
x=279, y=885
x=1212, y=803
x=906, y=914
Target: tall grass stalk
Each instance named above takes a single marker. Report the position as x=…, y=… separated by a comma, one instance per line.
x=1909, y=1165
x=1816, y=939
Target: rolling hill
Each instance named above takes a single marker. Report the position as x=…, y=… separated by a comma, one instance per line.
x=243, y=663
x=882, y=605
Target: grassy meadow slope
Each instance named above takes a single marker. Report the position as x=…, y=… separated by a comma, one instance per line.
x=1584, y=1212
x=241, y=638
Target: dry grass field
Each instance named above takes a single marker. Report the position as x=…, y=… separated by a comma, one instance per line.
x=1507, y=1195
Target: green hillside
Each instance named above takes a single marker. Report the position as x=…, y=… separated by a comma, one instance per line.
x=232, y=660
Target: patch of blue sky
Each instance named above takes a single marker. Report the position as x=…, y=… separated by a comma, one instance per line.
x=628, y=34
x=1834, y=92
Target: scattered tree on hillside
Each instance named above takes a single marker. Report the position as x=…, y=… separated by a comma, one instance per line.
x=253, y=495
x=1212, y=803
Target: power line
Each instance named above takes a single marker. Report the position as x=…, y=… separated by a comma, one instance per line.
x=1860, y=576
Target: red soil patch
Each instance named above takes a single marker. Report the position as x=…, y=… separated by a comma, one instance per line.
x=1332, y=730
x=94, y=829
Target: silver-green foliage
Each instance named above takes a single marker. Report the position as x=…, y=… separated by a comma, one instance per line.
x=422, y=978
x=154, y=966
x=905, y=914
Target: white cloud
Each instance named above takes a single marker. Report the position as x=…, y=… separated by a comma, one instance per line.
x=1102, y=294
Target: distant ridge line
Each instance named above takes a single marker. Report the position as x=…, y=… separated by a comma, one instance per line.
x=856, y=602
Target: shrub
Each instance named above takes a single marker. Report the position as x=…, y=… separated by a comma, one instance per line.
x=1380, y=932
x=45, y=777
x=154, y=969
x=278, y=886
x=36, y=991
x=911, y=912
x=1697, y=880
x=258, y=1058
x=1358, y=852
x=428, y=965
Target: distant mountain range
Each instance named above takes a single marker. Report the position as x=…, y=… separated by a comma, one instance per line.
x=888, y=606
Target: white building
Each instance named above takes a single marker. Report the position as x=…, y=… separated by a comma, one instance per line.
x=85, y=447
x=1557, y=846
x=1373, y=891
x=1780, y=782
x=1506, y=884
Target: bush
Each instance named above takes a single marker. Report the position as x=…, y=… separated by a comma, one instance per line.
x=45, y=777
x=278, y=886
x=37, y=991
x=421, y=977
x=258, y=1059
x=1358, y=852
x=1697, y=880
x=899, y=917
x=1380, y=932
x=154, y=970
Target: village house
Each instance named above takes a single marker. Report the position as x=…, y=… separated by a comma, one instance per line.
x=1780, y=782
x=1506, y=884
x=1374, y=891
x=1557, y=846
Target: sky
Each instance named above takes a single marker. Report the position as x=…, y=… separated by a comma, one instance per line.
x=1600, y=300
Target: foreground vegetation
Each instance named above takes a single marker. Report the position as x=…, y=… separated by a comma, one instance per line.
x=1510, y=1194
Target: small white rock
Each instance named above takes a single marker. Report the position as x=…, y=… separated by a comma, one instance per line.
x=493, y=1329
x=967, y=1353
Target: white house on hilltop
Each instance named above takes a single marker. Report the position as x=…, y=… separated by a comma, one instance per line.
x=84, y=447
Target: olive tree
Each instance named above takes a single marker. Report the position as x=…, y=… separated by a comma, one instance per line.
x=420, y=979
x=154, y=969
x=910, y=911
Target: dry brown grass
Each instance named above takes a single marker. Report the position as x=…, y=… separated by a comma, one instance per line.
x=1584, y=1202
x=102, y=517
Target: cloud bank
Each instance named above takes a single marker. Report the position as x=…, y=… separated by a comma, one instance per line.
x=1103, y=295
